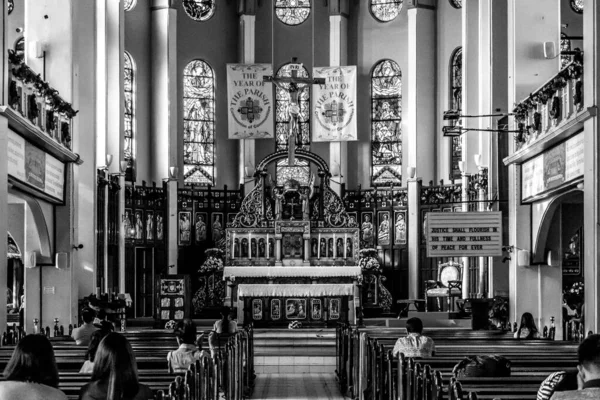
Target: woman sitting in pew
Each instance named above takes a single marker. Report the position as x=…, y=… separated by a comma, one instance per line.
x=88, y=365
x=115, y=373
x=224, y=325
x=31, y=372
x=527, y=329
x=187, y=353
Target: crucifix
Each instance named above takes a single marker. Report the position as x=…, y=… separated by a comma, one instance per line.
x=295, y=86
x=292, y=205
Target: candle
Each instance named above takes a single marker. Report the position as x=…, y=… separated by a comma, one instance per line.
x=319, y=247
x=267, y=255
x=335, y=254
x=345, y=247
x=233, y=246
x=249, y=246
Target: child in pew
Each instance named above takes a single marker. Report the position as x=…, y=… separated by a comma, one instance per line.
x=97, y=336
x=414, y=344
x=31, y=372
x=115, y=373
x=527, y=329
x=588, y=378
x=187, y=353
x=83, y=334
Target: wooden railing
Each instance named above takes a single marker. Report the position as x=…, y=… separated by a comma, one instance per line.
x=551, y=106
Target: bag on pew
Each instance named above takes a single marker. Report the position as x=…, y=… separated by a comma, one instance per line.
x=482, y=366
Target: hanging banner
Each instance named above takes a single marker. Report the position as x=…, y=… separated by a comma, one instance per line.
x=250, y=101
x=334, y=118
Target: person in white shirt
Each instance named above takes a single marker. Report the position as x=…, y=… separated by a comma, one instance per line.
x=414, y=344
x=83, y=334
x=187, y=353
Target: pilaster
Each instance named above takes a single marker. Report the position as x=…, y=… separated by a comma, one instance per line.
x=172, y=227
x=414, y=237
x=247, y=56
x=3, y=206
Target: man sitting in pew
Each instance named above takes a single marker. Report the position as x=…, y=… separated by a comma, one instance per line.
x=414, y=344
x=83, y=334
x=589, y=372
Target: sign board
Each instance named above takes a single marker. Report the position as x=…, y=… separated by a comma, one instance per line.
x=250, y=101
x=553, y=168
x=334, y=118
x=34, y=167
x=464, y=234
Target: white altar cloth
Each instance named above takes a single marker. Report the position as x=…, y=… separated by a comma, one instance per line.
x=292, y=272
x=301, y=290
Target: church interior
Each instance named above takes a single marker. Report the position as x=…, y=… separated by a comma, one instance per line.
x=325, y=170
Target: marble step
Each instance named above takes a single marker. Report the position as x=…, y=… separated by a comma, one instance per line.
x=294, y=364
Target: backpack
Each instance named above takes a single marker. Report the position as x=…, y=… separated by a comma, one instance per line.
x=486, y=366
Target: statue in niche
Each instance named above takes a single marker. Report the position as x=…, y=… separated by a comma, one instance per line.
x=323, y=249
x=271, y=247
x=217, y=229
x=278, y=195
x=261, y=248
x=236, y=248
x=244, y=247
x=304, y=198
x=339, y=247
x=383, y=234
x=349, y=248
x=330, y=248
x=313, y=247
x=367, y=229
x=400, y=237
x=200, y=228
x=253, y=249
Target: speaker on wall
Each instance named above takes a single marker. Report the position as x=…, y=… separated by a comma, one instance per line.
x=30, y=259
x=62, y=261
x=549, y=50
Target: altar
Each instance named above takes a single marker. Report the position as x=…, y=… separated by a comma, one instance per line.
x=292, y=251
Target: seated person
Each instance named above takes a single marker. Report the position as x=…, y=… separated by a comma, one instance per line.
x=527, y=329
x=88, y=365
x=31, y=372
x=557, y=382
x=223, y=325
x=414, y=344
x=83, y=334
x=588, y=354
x=187, y=353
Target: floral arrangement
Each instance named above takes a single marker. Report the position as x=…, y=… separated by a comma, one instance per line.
x=170, y=324
x=368, y=260
x=213, y=262
x=295, y=325
x=577, y=289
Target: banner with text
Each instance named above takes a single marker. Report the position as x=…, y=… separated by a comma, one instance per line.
x=334, y=118
x=553, y=168
x=250, y=101
x=34, y=167
x=464, y=234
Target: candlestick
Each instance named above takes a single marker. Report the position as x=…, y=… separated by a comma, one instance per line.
x=249, y=246
x=233, y=246
x=319, y=247
x=345, y=247
x=267, y=255
x=335, y=254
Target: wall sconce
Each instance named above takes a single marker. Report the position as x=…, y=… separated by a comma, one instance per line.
x=173, y=172
x=477, y=158
x=36, y=49
x=109, y=159
x=461, y=166
x=123, y=166
x=412, y=172
x=249, y=171
x=523, y=258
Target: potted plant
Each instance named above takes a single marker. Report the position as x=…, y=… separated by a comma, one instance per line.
x=498, y=312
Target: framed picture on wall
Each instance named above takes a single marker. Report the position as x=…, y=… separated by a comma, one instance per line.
x=316, y=309
x=275, y=309
x=159, y=225
x=400, y=227
x=295, y=308
x=150, y=226
x=185, y=232
x=218, y=231
x=334, y=308
x=139, y=225
x=257, y=309
x=383, y=229
x=352, y=219
x=200, y=227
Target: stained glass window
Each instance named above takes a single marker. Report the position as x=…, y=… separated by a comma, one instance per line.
x=129, y=111
x=20, y=46
x=577, y=6
x=198, y=124
x=565, y=45
x=129, y=4
x=292, y=12
x=456, y=3
x=385, y=10
x=199, y=10
x=386, y=121
x=456, y=104
x=11, y=6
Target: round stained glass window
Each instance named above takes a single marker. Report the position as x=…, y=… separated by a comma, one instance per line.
x=292, y=12
x=456, y=3
x=129, y=4
x=385, y=10
x=199, y=10
x=577, y=6
x=11, y=6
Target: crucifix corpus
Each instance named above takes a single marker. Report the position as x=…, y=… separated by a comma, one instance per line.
x=295, y=86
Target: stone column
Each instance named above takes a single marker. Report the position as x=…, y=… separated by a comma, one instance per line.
x=414, y=237
x=420, y=133
x=3, y=199
x=247, y=56
x=164, y=135
x=466, y=289
x=122, y=234
x=338, y=56
x=591, y=195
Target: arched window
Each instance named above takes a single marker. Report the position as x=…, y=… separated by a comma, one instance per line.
x=129, y=111
x=198, y=124
x=456, y=3
x=292, y=12
x=455, y=95
x=20, y=46
x=565, y=45
x=11, y=6
x=577, y=6
x=282, y=118
x=385, y=10
x=386, y=121
x=199, y=10
x=129, y=4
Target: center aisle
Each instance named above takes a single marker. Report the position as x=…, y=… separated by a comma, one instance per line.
x=297, y=387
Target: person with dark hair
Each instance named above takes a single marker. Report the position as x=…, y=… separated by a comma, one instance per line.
x=115, y=373
x=97, y=336
x=31, y=372
x=187, y=353
x=527, y=329
x=83, y=334
x=588, y=378
x=223, y=325
x=557, y=382
x=414, y=344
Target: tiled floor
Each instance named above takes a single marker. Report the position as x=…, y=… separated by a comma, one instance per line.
x=296, y=387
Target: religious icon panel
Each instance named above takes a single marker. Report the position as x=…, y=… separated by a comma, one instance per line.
x=200, y=227
x=139, y=225
x=184, y=227
x=383, y=232
x=275, y=309
x=217, y=227
x=295, y=309
x=400, y=227
x=257, y=309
